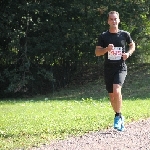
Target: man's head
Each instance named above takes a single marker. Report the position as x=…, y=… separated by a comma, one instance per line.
x=113, y=19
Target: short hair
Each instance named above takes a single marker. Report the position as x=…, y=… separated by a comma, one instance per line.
x=113, y=12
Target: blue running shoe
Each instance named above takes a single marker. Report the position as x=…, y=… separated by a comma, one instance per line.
x=122, y=128
x=117, y=122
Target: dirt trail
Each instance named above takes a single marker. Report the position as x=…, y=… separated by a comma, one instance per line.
x=136, y=137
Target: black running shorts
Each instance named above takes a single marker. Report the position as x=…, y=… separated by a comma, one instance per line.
x=114, y=73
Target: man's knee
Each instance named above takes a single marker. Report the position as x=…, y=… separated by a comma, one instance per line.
x=116, y=89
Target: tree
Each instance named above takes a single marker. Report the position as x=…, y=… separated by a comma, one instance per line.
x=44, y=42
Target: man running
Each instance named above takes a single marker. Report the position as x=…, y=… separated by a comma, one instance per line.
x=112, y=44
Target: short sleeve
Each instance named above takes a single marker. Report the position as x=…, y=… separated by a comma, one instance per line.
x=100, y=41
x=129, y=39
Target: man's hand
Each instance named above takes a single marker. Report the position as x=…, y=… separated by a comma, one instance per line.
x=110, y=47
x=125, y=55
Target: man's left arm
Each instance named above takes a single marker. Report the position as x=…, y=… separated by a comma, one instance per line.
x=131, y=48
x=130, y=51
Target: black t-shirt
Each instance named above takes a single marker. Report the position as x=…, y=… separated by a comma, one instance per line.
x=119, y=40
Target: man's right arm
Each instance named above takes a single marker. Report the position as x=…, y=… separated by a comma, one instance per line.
x=100, y=50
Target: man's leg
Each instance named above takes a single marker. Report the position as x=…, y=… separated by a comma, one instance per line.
x=111, y=97
x=116, y=102
x=116, y=98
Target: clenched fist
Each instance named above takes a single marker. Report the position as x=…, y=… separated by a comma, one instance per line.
x=110, y=47
x=125, y=55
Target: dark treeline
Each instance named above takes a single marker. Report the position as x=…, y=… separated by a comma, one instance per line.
x=44, y=42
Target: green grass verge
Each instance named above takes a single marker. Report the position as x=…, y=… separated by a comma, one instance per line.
x=28, y=123
x=25, y=124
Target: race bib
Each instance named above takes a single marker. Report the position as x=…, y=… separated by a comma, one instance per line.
x=115, y=54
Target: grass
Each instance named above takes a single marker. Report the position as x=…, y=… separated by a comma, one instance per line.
x=26, y=123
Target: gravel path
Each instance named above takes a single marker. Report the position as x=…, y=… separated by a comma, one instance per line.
x=136, y=137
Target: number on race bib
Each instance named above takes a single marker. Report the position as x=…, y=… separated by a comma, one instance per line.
x=115, y=54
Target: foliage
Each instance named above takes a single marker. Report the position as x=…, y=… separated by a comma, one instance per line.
x=43, y=43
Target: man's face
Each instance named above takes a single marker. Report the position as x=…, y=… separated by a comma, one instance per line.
x=113, y=20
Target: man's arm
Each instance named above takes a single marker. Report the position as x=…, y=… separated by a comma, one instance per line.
x=131, y=48
x=130, y=51
x=101, y=51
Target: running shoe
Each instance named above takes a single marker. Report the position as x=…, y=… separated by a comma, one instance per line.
x=122, y=128
x=117, y=122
